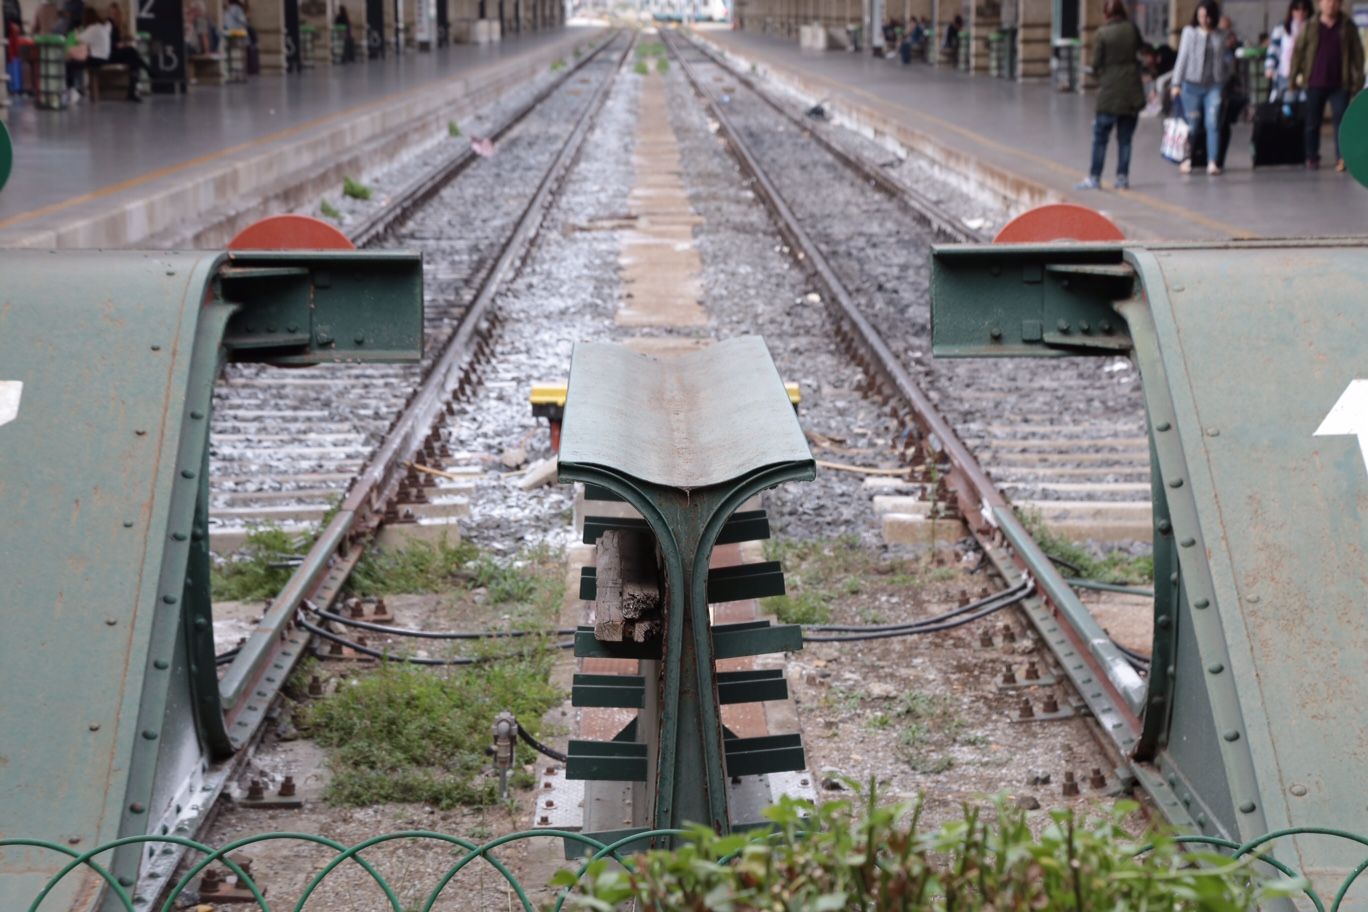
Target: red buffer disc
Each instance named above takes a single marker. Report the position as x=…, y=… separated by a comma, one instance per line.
x=1059, y=222
x=290, y=232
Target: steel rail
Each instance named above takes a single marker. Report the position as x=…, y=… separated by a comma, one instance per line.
x=1098, y=670
x=926, y=210
x=423, y=188
x=263, y=663
x=274, y=646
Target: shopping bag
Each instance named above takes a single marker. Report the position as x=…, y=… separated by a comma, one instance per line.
x=1174, y=144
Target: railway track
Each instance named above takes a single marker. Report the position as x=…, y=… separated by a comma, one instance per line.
x=1066, y=441
x=287, y=444
x=353, y=445
x=946, y=428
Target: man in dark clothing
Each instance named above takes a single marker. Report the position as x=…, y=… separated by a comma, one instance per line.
x=1328, y=63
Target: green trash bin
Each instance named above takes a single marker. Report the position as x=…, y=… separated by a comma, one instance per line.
x=51, y=72
x=1256, y=85
x=308, y=40
x=1067, y=54
x=996, y=63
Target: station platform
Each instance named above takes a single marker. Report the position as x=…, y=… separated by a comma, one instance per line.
x=1031, y=144
x=116, y=174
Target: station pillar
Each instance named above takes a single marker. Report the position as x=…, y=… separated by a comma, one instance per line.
x=1033, y=38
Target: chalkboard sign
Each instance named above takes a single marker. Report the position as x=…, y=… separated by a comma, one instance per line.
x=375, y=28
x=293, y=44
x=164, y=22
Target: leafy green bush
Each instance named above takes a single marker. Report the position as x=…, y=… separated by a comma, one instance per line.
x=406, y=733
x=841, y=855
x=329, y=211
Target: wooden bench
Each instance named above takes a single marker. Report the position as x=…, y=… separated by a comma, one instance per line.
x=208, y=68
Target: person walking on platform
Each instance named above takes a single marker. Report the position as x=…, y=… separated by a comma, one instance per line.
x=1199, y=76
x=1328, y=63
x=1278, y=61
x=1120, y=94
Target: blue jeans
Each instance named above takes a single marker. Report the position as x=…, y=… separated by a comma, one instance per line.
x=1203, y=103
x=1102, y=127
x=1315, y=111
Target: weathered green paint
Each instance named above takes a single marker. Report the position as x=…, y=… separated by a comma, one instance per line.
x=6, y=154
x=1353, y=139
x=114, y=699
x=685, y=441
x=741, y=526
x=751, y=686
x=725, y=584
x=1253, y=721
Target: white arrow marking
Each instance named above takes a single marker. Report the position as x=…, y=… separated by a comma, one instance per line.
x=10, y=391
x=1349, y=416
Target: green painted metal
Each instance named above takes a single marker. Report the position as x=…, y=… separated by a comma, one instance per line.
x=616, y=691
x=107, y=366
x=751, y=686
x=1253, y=358
x=741, y=526
x=6, y=154
x=1353, y=139
x=725, y=584
x=686, y=450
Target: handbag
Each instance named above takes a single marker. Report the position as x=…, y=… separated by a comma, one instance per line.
x=1174, y=145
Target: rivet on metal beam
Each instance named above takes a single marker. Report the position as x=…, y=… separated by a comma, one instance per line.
x=149, y=734
x=1247, y=807
x=1188, y=542
x=1215, y=668
x=1162, y=426
x=1231, y=735
x=161, y=664
x=1176, y=483
x=1201, y=603
x=169, y=599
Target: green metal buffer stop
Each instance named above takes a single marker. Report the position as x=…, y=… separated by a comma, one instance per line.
x=112, y=713
x=1254, y=362
x=686, y=441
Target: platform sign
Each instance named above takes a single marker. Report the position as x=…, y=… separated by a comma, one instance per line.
x=375, y=28
x=293, y=43
x=164, y=22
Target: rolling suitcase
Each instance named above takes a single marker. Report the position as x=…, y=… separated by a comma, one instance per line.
x=1278, y=134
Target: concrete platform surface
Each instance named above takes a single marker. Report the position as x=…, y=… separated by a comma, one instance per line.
x=1036, y=141
x=72, y=167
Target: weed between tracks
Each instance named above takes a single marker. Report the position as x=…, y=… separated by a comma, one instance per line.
x=1113, y=567
x=409, y=734
x=820, y=573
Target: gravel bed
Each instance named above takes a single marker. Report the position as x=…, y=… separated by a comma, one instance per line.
x=264, y=435
x=882, y=253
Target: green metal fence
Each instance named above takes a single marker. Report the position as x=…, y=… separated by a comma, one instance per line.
x=473, y=851
x=1261, y=847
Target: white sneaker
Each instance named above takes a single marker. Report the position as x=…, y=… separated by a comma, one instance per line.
x=1186, y=166
x=1212, y=170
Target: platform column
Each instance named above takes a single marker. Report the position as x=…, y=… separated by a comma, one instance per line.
x=1033, y=39
x=1180, y=14
x=987, y=18
x=1090, y=20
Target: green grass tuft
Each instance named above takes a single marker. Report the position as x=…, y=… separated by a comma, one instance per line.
x=419, y=566
x=410, y=734
x=558, y=64
x=329, y=211
x=641, y=68
x=1115, y=567
x=662, y=65
x=261, y=567
x=453, y=129
x=355, y=189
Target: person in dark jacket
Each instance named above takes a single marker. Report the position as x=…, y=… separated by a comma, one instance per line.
x=1120, y=95
x=1328, y=63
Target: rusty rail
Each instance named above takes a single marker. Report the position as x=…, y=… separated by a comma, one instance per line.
x=1109, y=687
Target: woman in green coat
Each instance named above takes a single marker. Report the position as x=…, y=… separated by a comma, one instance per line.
x=1120, y=96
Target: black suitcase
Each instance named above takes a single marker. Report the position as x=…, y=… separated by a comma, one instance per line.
x=1279, y=139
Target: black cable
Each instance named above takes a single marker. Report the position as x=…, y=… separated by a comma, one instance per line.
x=914, y=631
x=1067, y=565
x=412, y=660
x=224, y=658
x=1136, y=658
x=541, y=748
x=429, y=634
x=1015, y=593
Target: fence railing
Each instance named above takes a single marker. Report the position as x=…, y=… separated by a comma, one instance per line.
x=1259, y=847
x=473, y=851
